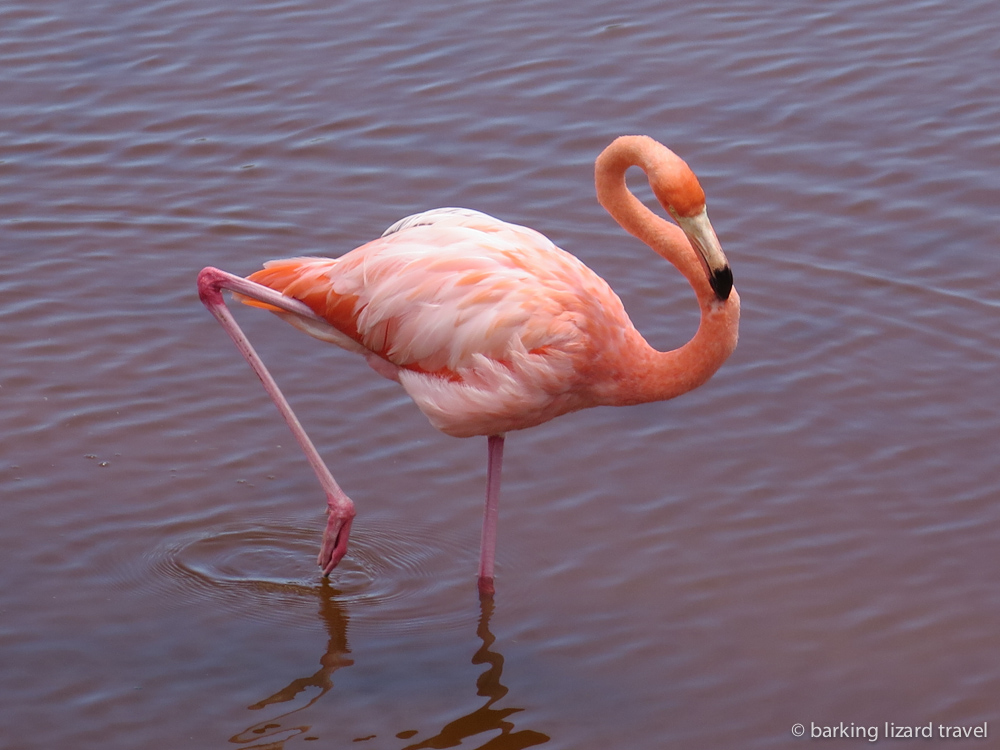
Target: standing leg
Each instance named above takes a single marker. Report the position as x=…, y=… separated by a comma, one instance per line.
x=211, y=282
x=488, y=546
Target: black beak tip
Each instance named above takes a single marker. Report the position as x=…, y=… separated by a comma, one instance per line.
x=722, y=283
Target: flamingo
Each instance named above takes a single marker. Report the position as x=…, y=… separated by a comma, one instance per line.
x=489, y=327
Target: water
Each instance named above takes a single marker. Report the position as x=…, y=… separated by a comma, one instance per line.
x=810, y=538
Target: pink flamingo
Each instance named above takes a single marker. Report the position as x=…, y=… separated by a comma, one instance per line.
x=489, y=327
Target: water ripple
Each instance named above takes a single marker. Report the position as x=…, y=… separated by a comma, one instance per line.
x=267, y=571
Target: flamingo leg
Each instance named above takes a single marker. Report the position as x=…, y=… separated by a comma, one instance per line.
x=488, y=547
x=211, y=282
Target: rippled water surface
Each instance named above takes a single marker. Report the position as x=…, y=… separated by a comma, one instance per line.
x=811, y=538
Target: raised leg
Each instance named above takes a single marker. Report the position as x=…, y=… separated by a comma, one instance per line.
x=488, y=547
x=211, y=282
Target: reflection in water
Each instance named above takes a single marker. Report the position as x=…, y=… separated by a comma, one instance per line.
x=486, y=718
x=272, y=733
x=275, y=731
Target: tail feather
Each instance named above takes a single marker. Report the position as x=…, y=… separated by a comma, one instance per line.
x=308, y=280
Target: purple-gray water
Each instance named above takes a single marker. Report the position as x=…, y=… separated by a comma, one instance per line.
x=811, y=538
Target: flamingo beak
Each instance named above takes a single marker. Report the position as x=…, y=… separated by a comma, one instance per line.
x=702, y=236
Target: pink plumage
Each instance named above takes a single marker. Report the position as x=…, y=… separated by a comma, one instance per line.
x=487, y=325
x=492, y=328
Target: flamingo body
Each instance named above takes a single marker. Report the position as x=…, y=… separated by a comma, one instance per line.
x=490, y=327
x=487, y=325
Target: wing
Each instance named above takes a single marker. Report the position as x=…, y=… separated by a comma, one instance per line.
x=480, y=316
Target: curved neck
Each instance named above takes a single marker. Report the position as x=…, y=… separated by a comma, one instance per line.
x=650, y=375
x=674, y=185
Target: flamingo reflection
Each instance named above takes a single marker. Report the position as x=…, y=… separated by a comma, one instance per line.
x=273, y=733
x=486, y=718
x=495, y=723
